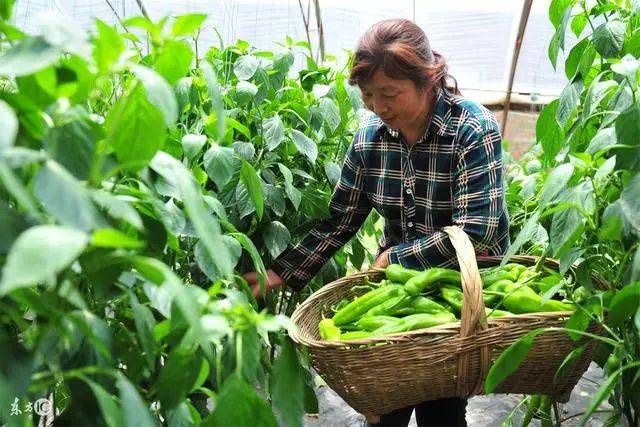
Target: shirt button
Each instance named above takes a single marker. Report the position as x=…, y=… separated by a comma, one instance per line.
x=408, y=190
x=409, y=224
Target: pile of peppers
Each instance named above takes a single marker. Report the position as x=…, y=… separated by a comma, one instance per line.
x=408, y=299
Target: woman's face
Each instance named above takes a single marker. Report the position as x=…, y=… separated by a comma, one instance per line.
x=399, y=103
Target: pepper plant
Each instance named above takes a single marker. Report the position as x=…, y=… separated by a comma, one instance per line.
x=137, y=182
x=576, y=196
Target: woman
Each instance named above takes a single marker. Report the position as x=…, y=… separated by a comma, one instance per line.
x=426, y=158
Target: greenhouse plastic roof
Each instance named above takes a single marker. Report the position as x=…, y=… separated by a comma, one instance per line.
x=476, y=38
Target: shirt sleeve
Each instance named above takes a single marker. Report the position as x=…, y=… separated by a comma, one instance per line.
x=348, y=209
x=478, y=201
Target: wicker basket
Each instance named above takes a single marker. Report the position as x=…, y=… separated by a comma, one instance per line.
x=378, y=375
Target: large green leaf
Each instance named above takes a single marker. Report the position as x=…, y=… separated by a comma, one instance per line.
x=9, y=125
x=73, y=143
x=174, y=60
x=276, y=237
x=245, y=67
x=244, y=150
x=6, y=9
x=555, y=182
x=245, y=92
x=178, y=376
x=206, y=264
x=238, y=404
x=66, y=199
x=330, y=113
x=548, y=132
x=628, y=126
x=159, y=93
x=569, y=100
x=608, y=38
x=12, y=223
x=572, y=63
x=187, y=24
x=568, y=223
x=135, y=411
x=108, y=45
x=557, y=8
x=243, y=200
x=273, y=131
x=509, y=361
x=135, y=130
x=629, y=205
x=596, y=94
x=305, y=144
x=220, y=164
x=112, y=238
x=117, y=208
x=605, y=138
x=283, y=60
x=253, y=183
x=192, y=144
x=145, y=323
x=108, y=403
x=39, y=254
x=287, y=386
x=28, y=56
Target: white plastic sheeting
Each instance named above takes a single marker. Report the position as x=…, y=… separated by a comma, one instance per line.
x=476, y=38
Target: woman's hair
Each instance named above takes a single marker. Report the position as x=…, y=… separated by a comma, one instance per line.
x=401, y=50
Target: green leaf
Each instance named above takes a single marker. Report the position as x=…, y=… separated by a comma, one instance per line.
x=509, y=361
x=206, y=264
x=578, y=23
x=6, y=9
x=248, y=245
x=12, y=223
x=187, y=24
x=238, y=401
x=276, y=237
x=244, y=150
x=206, y=225
x=134, y=409
x=245, y=67
x=330, y=113
x=567, y=362
x=273, y=131
x=236, y=125
x=220, y=164
x=578, y=321
x=553, y=49
x=39, y=254
x=108, y=405
x=283, y=60
x=293, y=193
x=159, y=93
x=555, y=182
x=244, y=204
x=572, y=63
x=108, y=45
x=217, y=103
x=305, y=145
x=628, y=125
x=28, y=56
x=178, y=376
x=145, y=323
x=608, y=38
x=548, y=132
x=173, y=61
x=112, y=238
x=253, y=183
x=629, y=203
x=603, y=392
x=192, y=144
x=245, y=92
x=624, y=305
x=628, y=66
x=66, y=199
x=605, y=138
x=557, y=8
x=596, y=94
x=635, y=268
x=135, y=130
x=569, y=100
x=287, y=386
x=117, y=208
x=333, y=172
x=9, y=126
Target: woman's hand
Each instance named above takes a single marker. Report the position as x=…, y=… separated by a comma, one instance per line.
x=383, y=260
x=273, y=281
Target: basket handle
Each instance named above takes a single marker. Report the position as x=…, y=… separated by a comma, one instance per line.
x=472, y=317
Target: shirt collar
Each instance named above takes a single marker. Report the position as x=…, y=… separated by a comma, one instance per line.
x=440, y=121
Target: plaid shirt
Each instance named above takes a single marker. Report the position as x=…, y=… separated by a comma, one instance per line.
x=452, y=176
